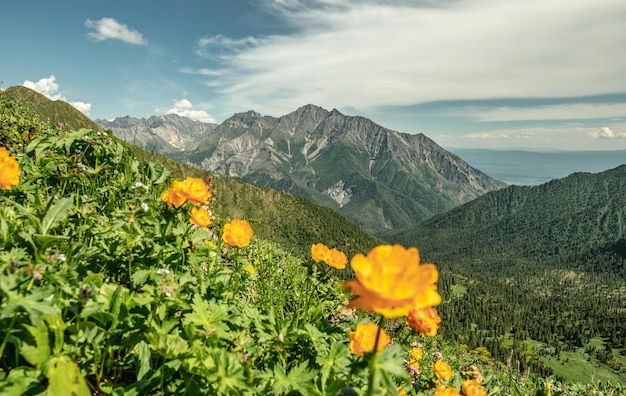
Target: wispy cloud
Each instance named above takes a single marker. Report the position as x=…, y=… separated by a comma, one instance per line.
x=365, y=54
x=110, y=29
x=50, y=89
x=184, y=108
x=572, y=111
x=538, y=138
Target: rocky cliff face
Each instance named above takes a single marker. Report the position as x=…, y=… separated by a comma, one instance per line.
x=168, y=133
x=377, y=177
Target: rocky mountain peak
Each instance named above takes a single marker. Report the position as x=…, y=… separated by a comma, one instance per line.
x=377, y=177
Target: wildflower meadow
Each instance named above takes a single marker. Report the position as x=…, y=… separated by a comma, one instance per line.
x=118, y=279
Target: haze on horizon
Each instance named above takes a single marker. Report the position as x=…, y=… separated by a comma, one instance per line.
x=467, y=73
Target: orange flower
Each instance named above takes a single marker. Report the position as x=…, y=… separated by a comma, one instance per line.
x=424, y=321
x=174, y=197
x=337, y=259
x=237, y=233
x=319, y=252
x=443, y=391
x=362, y=339
x=196, y=191
x=391, y=281
x=200, y=217
x=473, y=388
x=9, y=170
x=442, y=370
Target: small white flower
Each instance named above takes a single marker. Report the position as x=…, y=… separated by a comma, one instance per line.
x=163, y=271
x=140, y=185
x=144, y=206
x=81, y=166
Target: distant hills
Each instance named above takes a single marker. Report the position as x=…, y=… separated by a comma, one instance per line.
x=564, y=223
x=378, y=178
x=549, y=262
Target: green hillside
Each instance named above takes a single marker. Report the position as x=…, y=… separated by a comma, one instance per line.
x=544, y=263
x=50, y=111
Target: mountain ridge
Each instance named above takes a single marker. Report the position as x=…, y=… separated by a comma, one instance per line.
x=377, y=177
x=165, y=133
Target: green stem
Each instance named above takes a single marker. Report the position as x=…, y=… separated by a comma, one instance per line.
x=7, y=335
x=372, y=363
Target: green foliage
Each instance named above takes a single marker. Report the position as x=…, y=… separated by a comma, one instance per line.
x=104, y=289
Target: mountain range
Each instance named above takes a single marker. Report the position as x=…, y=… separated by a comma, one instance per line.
x=379, y=178
x=169, y=133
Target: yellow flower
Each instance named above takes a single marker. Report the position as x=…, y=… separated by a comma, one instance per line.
x=391, y=281
x=416, y=353
x=337, y=259
x=424, y=321
x=9, y=170
x=473, y=388
x=200, y=217
x=401, y=391
x=237, y=233
x=362, y=339
x=319, y=252
x=174, y=197
x=443, y=391
x=442, y=370
x=249, y=269
x=196, y=191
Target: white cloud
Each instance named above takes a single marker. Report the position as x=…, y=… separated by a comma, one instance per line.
x=184, y=108
x=365, y=54
x=49, y=88
x=109, y=28
x=83, y=107
x=606, y=133
x=573, y=111
x=46, y=86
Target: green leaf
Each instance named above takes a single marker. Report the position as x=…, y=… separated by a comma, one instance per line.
x=299, y=379
x=139, y=277
x=116, y=304
x=143, y=360
x=337, y=360
x=22, y=381
x=55, y=214
x=65, y=379
x=208, y=315
x=95, y=279
x=38, y=353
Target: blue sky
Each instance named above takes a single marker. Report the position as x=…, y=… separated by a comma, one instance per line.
x=534, y=74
